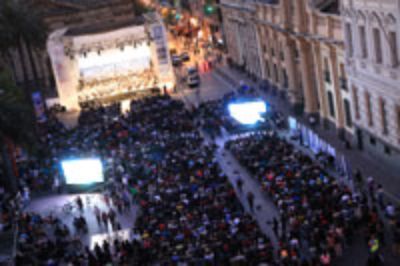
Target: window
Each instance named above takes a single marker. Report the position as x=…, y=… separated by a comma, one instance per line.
x=343, y=79
x=378, y=45
x=268, y=69
x=363, y=42
x=369, y=108
x=349, y=38
x=264, y=48
x=282, y=56
x=356, y=103
x=276, y=74
x=285, y=79
x=327, y=72
x=347, y=110
x=382, y=106
x=394, y=56
x=372, y=140
x=398, y=121
x=272, y=52
x=331, y=104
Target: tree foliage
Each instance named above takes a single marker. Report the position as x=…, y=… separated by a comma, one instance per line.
x=15, y=113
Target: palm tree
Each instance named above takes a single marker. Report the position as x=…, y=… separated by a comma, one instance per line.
x=22, y=28
x=16, y=126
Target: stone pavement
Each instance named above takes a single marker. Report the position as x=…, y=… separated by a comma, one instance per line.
x=233, y=170
x=366, y=162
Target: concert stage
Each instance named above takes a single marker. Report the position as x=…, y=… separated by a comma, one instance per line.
x=110, y=61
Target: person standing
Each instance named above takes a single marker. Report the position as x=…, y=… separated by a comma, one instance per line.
x=79, y=202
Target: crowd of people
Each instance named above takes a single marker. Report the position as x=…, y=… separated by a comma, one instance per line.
x=154, y=157
x=318, y=216
x=8, y=208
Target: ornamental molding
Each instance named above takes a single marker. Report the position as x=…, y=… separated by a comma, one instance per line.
x=390, y=20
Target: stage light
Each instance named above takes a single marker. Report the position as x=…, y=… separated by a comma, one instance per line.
x=82, y=171
x=247, y=113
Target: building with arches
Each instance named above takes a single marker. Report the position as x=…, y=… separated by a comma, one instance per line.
x=241, y=34
x=300, y=50
x=371, y=30
x=335, y=60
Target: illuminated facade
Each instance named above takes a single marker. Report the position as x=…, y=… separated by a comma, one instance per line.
x=298, y=48
x=337, y=60
x=103, y=62
x=241, y=34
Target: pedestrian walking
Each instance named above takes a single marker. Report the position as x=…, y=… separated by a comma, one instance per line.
x=250, y=199
x=104, y=218
x=359, y=178
x=97, y=213
x=275, y=226
x=239, y=184
x=379, y=196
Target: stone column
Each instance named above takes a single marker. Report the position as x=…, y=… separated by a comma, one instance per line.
x=307, y=74
x=316, y=47
x=294, y=93
x=260, y=38
x=338, y=94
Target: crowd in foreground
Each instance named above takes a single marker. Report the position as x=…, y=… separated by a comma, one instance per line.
x=154, y=157
x=319, y=217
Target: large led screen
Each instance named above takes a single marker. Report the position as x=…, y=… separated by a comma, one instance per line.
x=82, y=171
x=247, y=113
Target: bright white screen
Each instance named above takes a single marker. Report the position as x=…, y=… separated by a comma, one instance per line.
x=82, y=171
x=247, y=113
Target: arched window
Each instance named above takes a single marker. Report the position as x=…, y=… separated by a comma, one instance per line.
x=349, y=39
x=347, y=111
x=377, y=45
x=394, y=55
x=331, y=103
x=363, y=41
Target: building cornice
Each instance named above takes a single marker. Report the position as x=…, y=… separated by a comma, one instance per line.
x=243, y=8
x=306, y=36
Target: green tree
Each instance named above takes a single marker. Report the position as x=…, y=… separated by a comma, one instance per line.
x=21, y=28
x=16, y=125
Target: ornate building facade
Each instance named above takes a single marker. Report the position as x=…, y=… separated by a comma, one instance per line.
x=241, y=34
x=300, y=50
x=337, y=60
x=372, y=30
